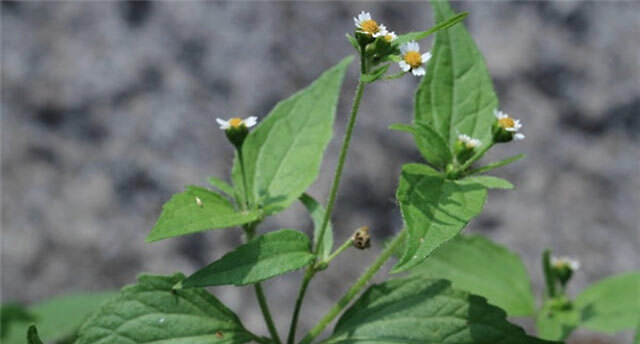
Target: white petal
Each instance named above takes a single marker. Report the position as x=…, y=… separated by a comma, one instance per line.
x=418, y=71
x=405, y=66
x=516, y=124
x=404, y=48
x=250, y=121
x=426, y=57
x=518, y=136
x=499, y=114
x=413, y=46
x=224, y=125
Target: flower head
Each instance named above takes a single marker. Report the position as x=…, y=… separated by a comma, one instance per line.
x=368, y=26
x=506, y=128
x=468, y=141
x=412, y=60
x=390, y=36
x=565, y=262
x=237, y=122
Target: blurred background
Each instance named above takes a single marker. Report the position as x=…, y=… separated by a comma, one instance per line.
x=108, y=108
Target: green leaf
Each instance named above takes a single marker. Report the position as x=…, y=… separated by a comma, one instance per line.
x=497, y=164
x=375, y=74
x=554, y=323
x=416, y=36
x=262, y=258
x=421, y=310
x=57, y=318
x=488, y=182
x=183, y=215
x=456, y=95
x=32, y=335
x=151, y=312
x=434, y=210
x=432, y=145
x=636, y=337
x=283, y=154
x=480, y=266
x=354, y=42
x=11, y=313
x=317, y=211
x=222, y=186
x=612, y=304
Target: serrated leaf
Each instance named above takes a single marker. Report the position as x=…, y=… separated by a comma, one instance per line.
x=456, y=95
x=612, y=304
x=431, y=145
x=434, y=210
x=556, y=324
x=32, y=335
x=56, y=318
x=222, y=186
x=283, y=154
x=422, y=310
x=488, y=182
x=317, y=211
x=416, y=36
x=480, y=266
x=151, y=312
x=262, y=258
x=375, y=74
x=195, y=210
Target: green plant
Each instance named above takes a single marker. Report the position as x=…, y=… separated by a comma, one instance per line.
x=456, y=122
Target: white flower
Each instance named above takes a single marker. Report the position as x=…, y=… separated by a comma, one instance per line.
x=390, y=36
x=236, y=122
x=366, y=25
x=560, y=262
x=412, y=60
x=509, y=124
x=468, y=141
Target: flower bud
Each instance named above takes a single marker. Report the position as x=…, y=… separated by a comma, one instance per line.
x=564, y=268
x=505, y=128
x=464, y=148
x=361, y=238
x=237, y=129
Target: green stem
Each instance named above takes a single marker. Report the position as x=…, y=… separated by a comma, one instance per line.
x=244, y=178
x=474, y=158
x=308, y=275
x=355, y=289
x=348, y=243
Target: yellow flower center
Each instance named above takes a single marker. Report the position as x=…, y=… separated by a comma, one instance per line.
x=506, y=122
x=235, y=122
x=388, y=38
x=369, y=26
x=413, y=59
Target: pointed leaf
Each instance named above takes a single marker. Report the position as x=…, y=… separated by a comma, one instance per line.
x=151, y=312
x=283, y=154
x=432, y=146
x=32, y=335
x=221, y=185
x=497, y=164
x=480, y=266
x=416, y=36
x=196, y=210
x=434, y=210
x=422, y=310
x=262, y=258
x=317, y=215
x=456, y=94
x=612, y=304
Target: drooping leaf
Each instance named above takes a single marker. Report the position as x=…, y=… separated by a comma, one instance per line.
x=283, y=154
x=195, y=210
x=422, y=310
x=221, y=185
x=262, y=258
x=317, y=211
x=432, y=146
x=456, y=95
x=612, y=304
x=416, y=36
x=151, y=312
x=32, y=335
x=56, y=318
x=556, y=323
x=480, y=266
x=434, y=210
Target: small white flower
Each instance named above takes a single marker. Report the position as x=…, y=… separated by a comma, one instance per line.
x=366, y=25
x=412, y=60
x=560, y=262
x=509, y=124
x=236, y=122
x=468, y=141
x=390, y=36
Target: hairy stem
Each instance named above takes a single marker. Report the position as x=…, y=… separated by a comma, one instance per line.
x=348, y=243
x=308, y=275
x=477, y=156
x=355, y=288
x=244, y=178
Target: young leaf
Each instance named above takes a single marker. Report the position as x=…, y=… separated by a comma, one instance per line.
x=434, y=210
x=456, y=95
x=195, y=210
x=612, y=304
x=151, y=312
x=221, y=185
x=262, y=258
x=416, y=36
x=317, y=214
x=556, y=324
x=422, y=310
x=282, y=156
x=432, y=146
x=56, y=318
x=480, y=266
x=32, y=335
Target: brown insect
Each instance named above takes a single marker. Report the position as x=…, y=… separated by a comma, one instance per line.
x=361, y=238
x=219, y=334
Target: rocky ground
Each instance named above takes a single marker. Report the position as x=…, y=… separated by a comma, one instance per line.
x=108, y=108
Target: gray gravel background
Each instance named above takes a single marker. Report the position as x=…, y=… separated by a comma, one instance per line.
x=108, y=108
